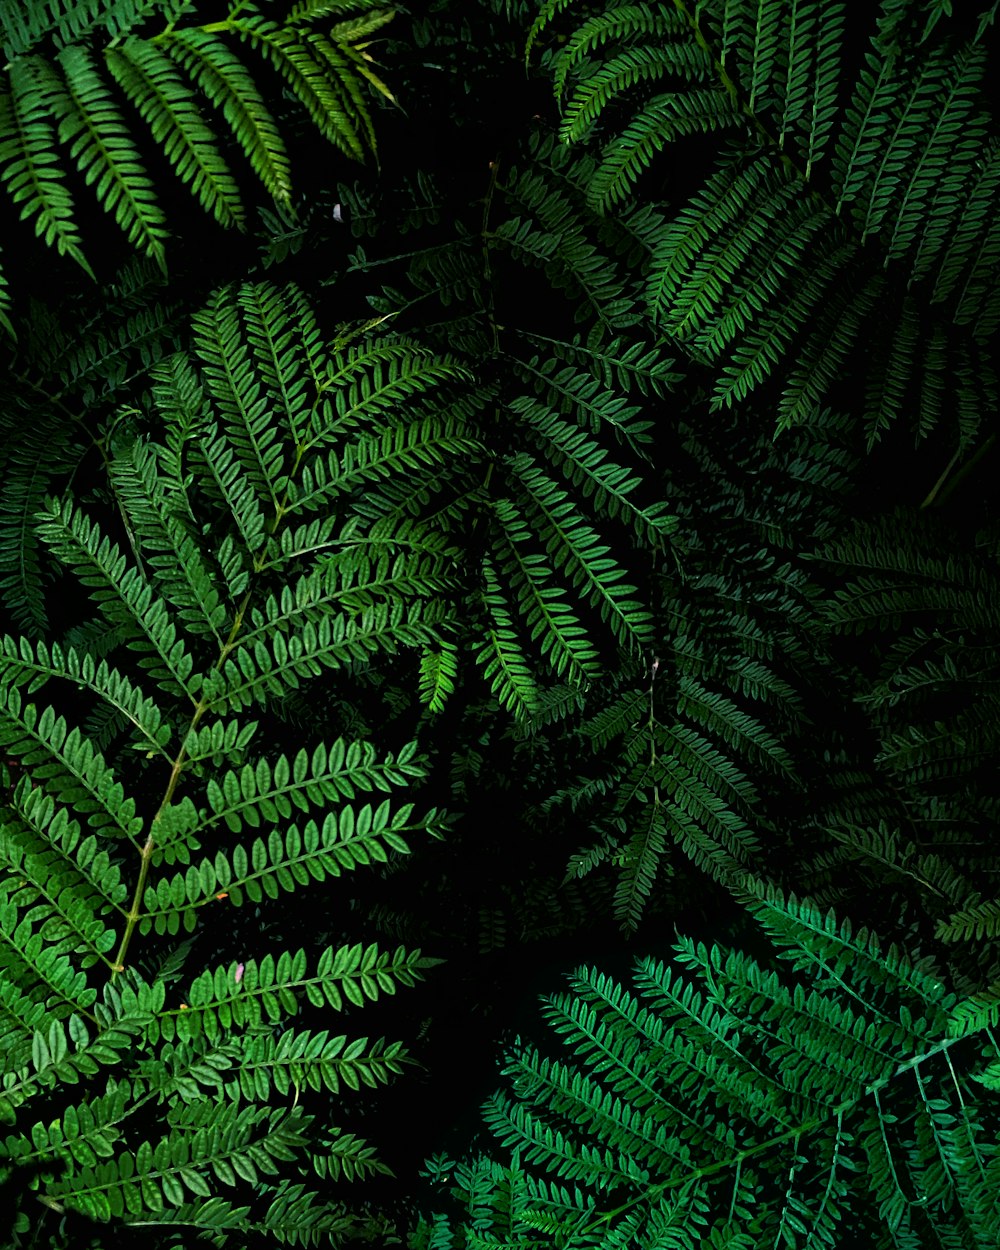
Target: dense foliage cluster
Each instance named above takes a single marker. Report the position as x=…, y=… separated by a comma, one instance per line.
x=491, y=488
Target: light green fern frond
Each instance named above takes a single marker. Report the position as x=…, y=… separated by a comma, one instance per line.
x=31, y=170
x=151, y=81
x=105, y=153
x=188, y=628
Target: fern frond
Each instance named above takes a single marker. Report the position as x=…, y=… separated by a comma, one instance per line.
x=349, y=1156
x=225, y=80
x=156, y=509
x=71, y=1049
x=576, y=549
x=623, y=21
x=552, y=624
x=267, y=792
x=30, y=665
x=815, y=940
x=268, y=669
x=74, y=892
x=616, y=75
x=662, y=120
x=638, y=863
x=971, y=923
x=286, y=349
x=340, y=844
x=42, y=448
x=965, y=233
x=500, y=656
x=227, y=1140
x=303, y=1059
x=931, y=196
x=562, y=248
x=149, y=78
x=43, y=972
x=25, y=24
x=71, y=769
x=104, y=152
x=744, y=265
x=438, y=670
x=120, y=593
x=729, y=1072
x=29, y=165
x=826, y=348
x=332, y=100
x=718, y=713
x=226, y=365
x=583, y=462
x=269, y=990
x=614, y=363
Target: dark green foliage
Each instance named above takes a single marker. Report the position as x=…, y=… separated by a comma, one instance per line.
x=607, y=469
x=71, y=372
x=839, y=212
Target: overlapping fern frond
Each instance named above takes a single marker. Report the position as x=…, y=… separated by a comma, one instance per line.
x=822, y=226
x=70, y=372
x=555, y=504
x=932, y=701
x=698, y=751
x=189, y=632
x=177, y=80
x=723, y=1102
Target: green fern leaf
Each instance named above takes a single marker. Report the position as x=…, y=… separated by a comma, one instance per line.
x=29, y=165
x=100, y=144
x=224, y=79
x=438, y=670
x=575, y=547
x=150, y=80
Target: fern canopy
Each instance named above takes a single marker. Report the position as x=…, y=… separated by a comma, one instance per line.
x=565, y=535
